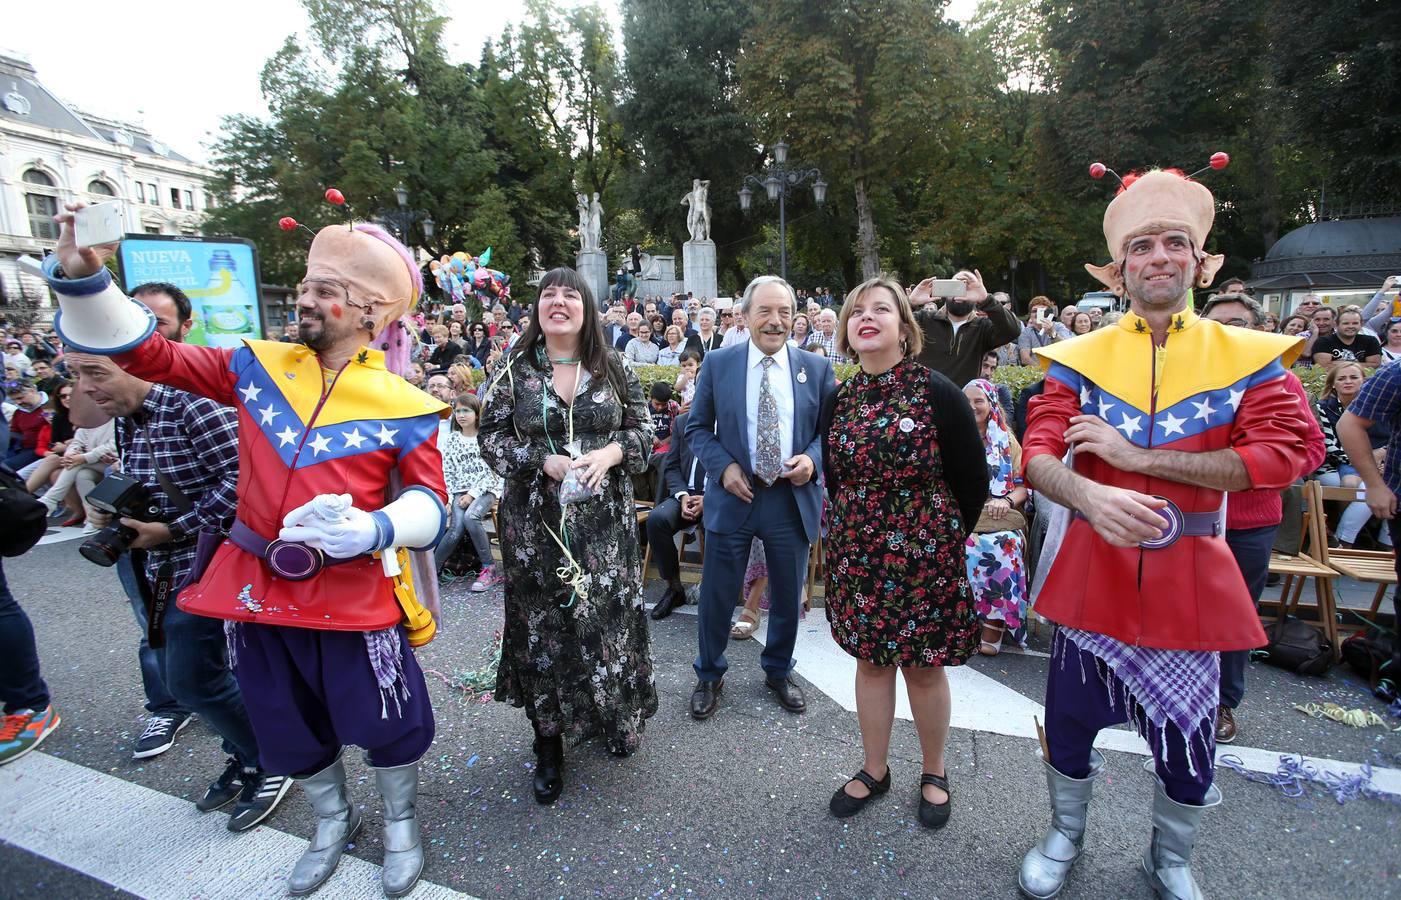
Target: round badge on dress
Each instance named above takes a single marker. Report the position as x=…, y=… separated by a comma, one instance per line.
x=600, y=396
x=907, y=424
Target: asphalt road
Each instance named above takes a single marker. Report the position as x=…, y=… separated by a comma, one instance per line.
x=732, y=807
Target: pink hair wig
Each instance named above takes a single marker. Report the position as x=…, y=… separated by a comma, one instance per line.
x=396, y=338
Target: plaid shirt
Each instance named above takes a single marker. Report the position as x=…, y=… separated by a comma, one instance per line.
x=194, y=441
x=829, y=344
x=1380, y=401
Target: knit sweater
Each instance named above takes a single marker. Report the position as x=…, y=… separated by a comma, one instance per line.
x=30, y=424
x=1259, y=508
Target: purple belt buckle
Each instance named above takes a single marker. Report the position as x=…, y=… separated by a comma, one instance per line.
x=294, y=562
x=1173, y=526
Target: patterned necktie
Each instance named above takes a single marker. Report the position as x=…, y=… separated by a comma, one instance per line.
x=768, y=455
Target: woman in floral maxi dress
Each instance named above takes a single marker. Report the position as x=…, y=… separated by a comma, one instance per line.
x=575, y=648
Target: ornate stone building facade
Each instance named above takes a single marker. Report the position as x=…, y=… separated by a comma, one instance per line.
x=52, y=154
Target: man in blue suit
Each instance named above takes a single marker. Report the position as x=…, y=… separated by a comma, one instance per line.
x=762, y=450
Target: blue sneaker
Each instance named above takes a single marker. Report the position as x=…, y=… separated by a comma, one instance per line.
x=24, y=730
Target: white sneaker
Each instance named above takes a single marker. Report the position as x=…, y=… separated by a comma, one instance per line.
x=90, y=529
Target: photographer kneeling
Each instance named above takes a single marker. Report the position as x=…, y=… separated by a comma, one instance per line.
x=179, y=460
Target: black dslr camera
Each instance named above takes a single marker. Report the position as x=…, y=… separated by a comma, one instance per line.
x=123, y=497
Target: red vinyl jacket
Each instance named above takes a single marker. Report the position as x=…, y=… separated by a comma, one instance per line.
x=294, y=443
x=1216, y=388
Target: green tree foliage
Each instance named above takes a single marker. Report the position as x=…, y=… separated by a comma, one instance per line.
x=381, y=105
x=1142, y=84
x=870, y=91
x=1342, y=76
x=993, y=201
x=944, y=145
x=568, y=63
x=682, y=112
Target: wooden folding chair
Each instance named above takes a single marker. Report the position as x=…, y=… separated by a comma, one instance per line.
x=816, y=567
x=1368, y=566
x=1309, y=563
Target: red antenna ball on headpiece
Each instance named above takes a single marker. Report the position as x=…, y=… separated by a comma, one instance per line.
x=1220, y=160
x=334, y=196
x=287, y=223
x=1097, y=170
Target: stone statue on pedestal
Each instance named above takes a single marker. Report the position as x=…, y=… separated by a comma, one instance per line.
x=590, y=223
x=698, y=216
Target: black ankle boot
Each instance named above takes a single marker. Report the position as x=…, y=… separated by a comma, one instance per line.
x=549, y=761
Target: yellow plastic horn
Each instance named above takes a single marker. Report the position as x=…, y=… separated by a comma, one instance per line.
x=418, y=621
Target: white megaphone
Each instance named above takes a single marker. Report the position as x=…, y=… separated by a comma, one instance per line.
x=93, y=316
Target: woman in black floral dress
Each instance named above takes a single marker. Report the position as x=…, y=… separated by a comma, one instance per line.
x=906, y=478
x=565, y=423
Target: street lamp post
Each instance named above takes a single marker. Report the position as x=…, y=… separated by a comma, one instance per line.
x=777, y=180
x=403, y=218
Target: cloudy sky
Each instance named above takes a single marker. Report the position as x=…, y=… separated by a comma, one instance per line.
x=177, y=67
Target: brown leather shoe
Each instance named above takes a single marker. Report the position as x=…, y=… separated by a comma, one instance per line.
x=1225, y=725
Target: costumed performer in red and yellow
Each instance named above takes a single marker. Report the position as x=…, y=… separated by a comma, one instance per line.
x=1161, y=414
x=340, y=478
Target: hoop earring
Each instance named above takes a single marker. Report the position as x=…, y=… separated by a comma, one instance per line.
x=904, y=347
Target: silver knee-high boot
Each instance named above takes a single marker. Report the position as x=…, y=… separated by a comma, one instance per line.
x=1046, y=866
x=403, y=852
x=338, y=821
x=1168, y=860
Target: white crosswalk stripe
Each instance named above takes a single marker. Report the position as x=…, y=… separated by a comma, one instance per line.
x=157, y=846
x=983, y=704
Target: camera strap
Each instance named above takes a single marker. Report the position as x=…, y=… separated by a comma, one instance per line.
x=163, y=588
x=155, y=596
x=162, y=592
x=172, y=490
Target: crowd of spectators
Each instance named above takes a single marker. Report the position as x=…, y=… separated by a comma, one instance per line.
x=967, y=338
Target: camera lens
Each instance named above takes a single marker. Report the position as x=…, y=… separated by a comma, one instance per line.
x=105, y=547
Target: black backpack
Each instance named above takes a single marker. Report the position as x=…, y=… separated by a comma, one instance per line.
x=25, y=518
x=1372, y=654
x=1297, y=646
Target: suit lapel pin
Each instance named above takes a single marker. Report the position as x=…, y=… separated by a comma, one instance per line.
x=802, y=376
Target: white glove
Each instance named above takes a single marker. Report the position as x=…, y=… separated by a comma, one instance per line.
x=353, y=534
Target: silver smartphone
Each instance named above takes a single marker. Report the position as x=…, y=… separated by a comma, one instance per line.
x=948, y=288
x=100, y=223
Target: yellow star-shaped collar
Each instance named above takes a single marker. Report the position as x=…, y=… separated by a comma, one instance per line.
x=363, y=390
x=1136, y=324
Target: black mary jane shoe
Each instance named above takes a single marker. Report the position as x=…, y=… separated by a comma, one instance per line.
x=934, y=815
x=549, y=760
x=844, y=805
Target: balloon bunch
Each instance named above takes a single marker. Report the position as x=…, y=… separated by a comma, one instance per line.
x=462, y=274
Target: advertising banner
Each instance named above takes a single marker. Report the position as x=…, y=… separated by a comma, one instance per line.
x=220, y=275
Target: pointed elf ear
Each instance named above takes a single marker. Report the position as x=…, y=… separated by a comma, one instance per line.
x=1110, y=276
x=1210, y=262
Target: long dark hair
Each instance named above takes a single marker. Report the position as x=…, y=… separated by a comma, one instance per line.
x=61, y=428
x=595, y=355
